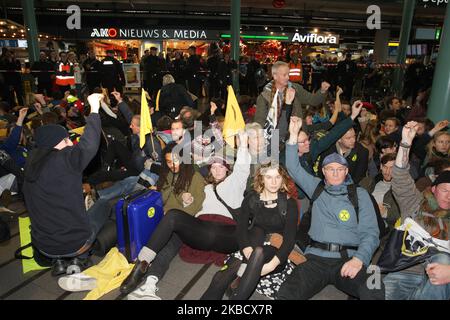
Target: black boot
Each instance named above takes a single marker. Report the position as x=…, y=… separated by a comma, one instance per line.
x=136, y=278
x=78, y=265
x=59, y=267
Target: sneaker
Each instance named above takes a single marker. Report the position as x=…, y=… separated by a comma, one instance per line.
x=147, y=291
x=77, y=282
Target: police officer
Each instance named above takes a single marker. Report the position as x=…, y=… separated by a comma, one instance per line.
x=92, y=68
x=317, y=72
x=343, y=236
x=152, y=68
x=192, y=72
x=112, y=76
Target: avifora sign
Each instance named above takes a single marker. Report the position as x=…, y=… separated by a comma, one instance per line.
x=139, y=33
x=315, y=38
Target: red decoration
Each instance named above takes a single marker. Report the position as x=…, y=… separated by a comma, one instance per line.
x=278, y=3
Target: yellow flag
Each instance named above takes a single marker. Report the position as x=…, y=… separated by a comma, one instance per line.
x=157, y=100
x=79, y=130
x=234, y=121
x=146, y=121
x=109, y=273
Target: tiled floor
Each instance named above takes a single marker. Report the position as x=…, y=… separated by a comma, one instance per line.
x=41, y=285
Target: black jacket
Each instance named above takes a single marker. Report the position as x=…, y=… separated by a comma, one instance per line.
x=139, y=155
x=43, y=71
x=54, y=195
x=358, y=161
x=172, y=98
x=92, y=68
x=111, y=72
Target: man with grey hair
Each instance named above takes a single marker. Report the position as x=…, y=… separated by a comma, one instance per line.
x=172, y=97
x=281, y=98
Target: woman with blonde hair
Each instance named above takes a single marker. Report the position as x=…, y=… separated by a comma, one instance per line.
x=438, y=148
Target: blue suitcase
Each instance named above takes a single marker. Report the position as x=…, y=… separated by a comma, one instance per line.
x=137, y=216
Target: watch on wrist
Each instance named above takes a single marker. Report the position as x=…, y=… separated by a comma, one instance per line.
x=405, y=145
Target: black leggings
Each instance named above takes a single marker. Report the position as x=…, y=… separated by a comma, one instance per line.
x=252, y=274
x=196, y=233
x=223, y=278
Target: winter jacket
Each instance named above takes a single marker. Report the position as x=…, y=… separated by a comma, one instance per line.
x=333, y=218
x=175, y=201
x=410, y=200
x=140, y=155
x=54, y=194
x=357, y=158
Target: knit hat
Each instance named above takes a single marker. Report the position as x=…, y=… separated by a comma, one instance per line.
x=444, y=177
x=219, y=159
x=50, y=135
x=334, y=158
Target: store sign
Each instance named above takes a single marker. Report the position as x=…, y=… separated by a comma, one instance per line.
x=314, y=38
x=435, y=2
x=134, y=33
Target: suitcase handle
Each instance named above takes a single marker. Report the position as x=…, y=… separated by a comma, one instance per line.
x=134, y=195
x=126, y=228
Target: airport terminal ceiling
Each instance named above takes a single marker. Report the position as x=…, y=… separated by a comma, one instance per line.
x=347, y=18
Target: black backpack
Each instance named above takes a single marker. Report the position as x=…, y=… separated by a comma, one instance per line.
x=255, y=205
x=303, y=239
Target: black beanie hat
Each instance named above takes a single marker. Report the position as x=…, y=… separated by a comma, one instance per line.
x=444, y=177
x=50, y=135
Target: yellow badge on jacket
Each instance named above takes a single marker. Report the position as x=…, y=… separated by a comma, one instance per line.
x=344, y=215
x=355, y=157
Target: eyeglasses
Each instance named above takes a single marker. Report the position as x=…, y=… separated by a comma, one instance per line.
x=303, y=142
x=338, y=170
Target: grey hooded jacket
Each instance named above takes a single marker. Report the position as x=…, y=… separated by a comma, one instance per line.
x=333, y=218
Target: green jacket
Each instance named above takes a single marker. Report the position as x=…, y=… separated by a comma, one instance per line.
x=173, y=201
x=302, y=96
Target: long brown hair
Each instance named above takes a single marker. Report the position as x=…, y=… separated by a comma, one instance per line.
x=185, y=175
x=211, y=180
x=258, y=182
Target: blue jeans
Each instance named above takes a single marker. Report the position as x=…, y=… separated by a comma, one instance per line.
x=408, y=286
x=126, y=186
x=119, y=189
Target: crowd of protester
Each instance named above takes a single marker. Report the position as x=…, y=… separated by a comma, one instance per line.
x=306, y=196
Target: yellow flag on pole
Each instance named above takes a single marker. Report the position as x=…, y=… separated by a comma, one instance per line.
x=146, y=122
x=234, y=121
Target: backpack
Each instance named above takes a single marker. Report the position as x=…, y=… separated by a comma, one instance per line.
x=302, y=237
x=255, y=204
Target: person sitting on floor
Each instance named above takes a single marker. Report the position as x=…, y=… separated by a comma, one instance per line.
x=53, y=194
